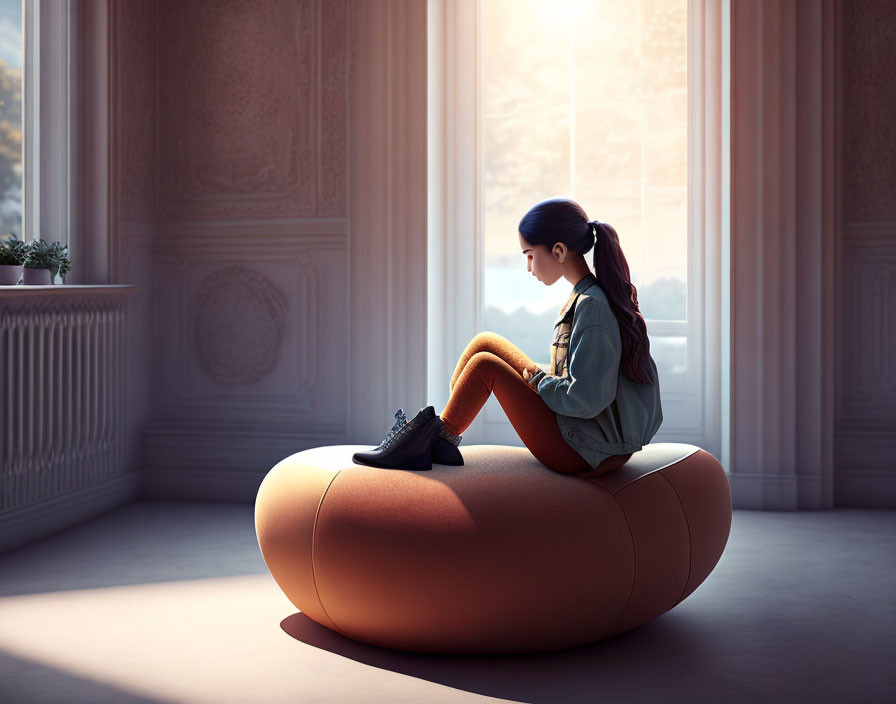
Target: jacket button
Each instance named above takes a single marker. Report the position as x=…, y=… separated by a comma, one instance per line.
x=569, y=433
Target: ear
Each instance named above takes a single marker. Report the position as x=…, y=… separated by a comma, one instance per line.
x=559, y=251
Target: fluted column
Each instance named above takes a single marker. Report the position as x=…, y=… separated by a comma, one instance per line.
x=782, y=242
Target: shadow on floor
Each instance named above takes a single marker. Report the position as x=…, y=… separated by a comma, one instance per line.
x=665, y=648
x=26, y=681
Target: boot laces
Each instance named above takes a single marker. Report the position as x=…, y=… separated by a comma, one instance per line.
x=401, y=420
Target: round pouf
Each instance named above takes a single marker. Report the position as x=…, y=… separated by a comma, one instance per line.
x=500, y=555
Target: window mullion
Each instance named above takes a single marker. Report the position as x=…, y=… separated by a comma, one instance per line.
x=31, y=110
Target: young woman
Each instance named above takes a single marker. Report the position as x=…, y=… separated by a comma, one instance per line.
x=599, y=399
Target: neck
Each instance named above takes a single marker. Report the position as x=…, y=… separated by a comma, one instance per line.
x=577, y=271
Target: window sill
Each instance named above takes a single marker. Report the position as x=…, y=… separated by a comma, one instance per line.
x=54, y=290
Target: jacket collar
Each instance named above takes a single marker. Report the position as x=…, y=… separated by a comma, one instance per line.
x=582, y=285
x=585, y=282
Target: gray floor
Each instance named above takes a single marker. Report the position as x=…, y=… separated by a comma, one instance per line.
x=167, y=601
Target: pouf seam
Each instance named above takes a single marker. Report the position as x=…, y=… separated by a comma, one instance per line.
x=313, y=541
x=634, y=568
x=690, y=540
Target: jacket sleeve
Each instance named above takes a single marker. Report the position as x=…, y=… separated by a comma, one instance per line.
x=593, y=368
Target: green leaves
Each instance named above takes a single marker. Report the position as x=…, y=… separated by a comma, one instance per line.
x=12, y=250
x=35, y=254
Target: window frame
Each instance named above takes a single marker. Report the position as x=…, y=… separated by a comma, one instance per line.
x=67, y=118
x=47, y=120
x=693, y=413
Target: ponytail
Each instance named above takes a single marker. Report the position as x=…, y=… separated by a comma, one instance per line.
x=612, y=273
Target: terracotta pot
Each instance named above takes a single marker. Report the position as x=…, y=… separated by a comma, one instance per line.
x=37, y=276
x=10, y=274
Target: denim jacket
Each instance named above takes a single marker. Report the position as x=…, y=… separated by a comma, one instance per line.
x=601, y=411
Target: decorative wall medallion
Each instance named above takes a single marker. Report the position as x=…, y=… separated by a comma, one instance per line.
x=239, y=322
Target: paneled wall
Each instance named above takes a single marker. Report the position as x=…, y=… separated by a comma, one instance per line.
x=267, y=170
x=233, y=211
x=865, y=440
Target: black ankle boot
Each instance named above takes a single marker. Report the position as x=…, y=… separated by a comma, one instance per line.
x=408, y=447
x=444, y=449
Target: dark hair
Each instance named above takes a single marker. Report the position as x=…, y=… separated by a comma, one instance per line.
x=563, y=220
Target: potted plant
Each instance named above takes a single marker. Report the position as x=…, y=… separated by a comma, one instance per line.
x=63, y=264
x=13, y=252
x=44, y=261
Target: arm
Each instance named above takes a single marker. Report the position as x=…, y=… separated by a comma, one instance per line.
x=593, y=373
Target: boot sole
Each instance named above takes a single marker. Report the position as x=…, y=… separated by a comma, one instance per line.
x=420, y=463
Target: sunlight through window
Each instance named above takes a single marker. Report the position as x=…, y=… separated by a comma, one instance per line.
x=586, y=100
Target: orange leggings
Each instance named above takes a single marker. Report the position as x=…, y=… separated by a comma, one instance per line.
x=493, y=363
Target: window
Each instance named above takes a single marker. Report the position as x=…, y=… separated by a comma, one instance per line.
x=573, y=113
x=616, y=105
x=11, y=61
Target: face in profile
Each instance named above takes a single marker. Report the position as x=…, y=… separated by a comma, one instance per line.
x=541, y=262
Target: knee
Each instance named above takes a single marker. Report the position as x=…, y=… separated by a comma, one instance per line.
x=482, y=362
x=487, y=340
x=490, y=367
x=484, y=357
x=481, y=340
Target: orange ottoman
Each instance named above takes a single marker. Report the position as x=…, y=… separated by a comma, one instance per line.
x=500, y=555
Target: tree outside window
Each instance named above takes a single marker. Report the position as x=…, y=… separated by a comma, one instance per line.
x=11, y=45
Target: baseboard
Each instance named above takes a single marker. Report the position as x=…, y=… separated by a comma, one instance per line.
x=202, y=484
x=26, y=524
x=774, y=492
x=864, y=468
x=205, y=464
x=865, y=489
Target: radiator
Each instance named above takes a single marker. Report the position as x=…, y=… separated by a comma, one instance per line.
x=62, y=407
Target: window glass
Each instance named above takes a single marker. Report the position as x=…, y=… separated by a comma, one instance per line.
x=585, y=99
x=11, y=45
x=670, y=354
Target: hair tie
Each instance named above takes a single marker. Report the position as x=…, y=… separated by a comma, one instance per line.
x=594, y=224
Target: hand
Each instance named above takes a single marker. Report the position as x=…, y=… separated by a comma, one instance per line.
x=532, y=378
